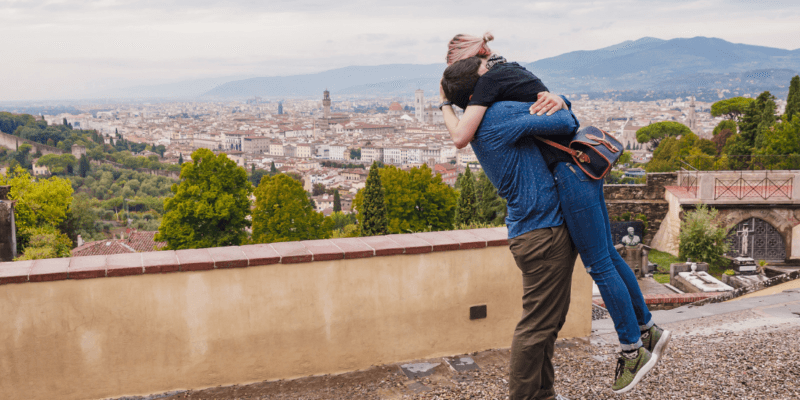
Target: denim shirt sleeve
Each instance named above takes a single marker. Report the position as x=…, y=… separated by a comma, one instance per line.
x=520, y=123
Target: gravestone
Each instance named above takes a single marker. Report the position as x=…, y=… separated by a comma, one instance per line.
x=620, y=229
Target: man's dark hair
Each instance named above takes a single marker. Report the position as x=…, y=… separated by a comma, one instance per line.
x=459, y=80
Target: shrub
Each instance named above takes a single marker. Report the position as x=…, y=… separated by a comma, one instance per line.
x=702, y=238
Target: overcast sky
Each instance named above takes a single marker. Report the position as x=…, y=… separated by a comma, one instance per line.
x=69, y=49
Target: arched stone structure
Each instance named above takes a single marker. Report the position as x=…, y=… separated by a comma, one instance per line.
x=783, y=220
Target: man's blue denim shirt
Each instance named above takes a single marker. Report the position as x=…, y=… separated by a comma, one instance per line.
x=509, y=155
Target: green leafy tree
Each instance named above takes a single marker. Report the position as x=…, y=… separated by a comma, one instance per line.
x=210, y=204
x=490, y=207
x=40, y=202
x=57, y=163
x=83, y=166
x=466, y=210
x=317, y=189
x=780, y=149
x=45, y=242
x=758, y=116
x=793, y=100
x=653, y=134
x=355, y=154
x=416, y=200
x=722, y=132
x=337, y=202
x=255, y=177
x=702, y=237
x=283, y=213
x=371, y=205
x=731, y=108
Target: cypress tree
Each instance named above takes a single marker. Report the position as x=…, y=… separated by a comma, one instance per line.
x=375, y=221
x=465, y=210
x=83, y=166
x=180, y=158
x=490, y=207
x=337, y=202
x=272, y=169
x=793, y=100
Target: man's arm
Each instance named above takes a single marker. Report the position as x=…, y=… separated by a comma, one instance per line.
x=517, y=123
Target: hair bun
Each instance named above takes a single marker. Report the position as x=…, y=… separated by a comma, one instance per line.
x=487, y=37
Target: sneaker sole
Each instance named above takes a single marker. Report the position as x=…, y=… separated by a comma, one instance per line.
x=661, y=346
x=638, y=378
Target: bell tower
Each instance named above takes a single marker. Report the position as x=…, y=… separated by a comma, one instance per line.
x=326, y=104
x=419, y=105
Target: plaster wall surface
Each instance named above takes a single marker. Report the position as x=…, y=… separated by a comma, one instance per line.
x=666, y=238
x=150, y=333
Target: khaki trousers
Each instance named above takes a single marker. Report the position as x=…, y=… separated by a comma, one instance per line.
x=546, y=258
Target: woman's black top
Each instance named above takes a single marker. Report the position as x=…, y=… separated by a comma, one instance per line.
x=512, y=82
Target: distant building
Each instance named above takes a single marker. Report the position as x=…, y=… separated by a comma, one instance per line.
x=78, y=150
x=395, y=108
x=137, y=242
x=326, y=104
x=419, y=105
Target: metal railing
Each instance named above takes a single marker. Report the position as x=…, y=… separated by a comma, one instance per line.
x=741, y=188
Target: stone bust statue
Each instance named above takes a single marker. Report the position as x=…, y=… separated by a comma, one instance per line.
x=630, y=239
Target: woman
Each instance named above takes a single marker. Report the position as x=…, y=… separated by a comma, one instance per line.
x=474, y=80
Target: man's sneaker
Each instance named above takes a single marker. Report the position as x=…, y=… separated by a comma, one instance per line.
x=655, y=340
x=630, y=371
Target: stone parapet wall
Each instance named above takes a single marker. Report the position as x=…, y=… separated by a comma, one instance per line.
x=136, y=324
x=13, y=142
x=647, y=199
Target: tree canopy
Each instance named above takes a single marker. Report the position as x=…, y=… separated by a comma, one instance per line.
x=415, y=200
x=283, y=213
x=654, y=133
x=370, y=203
x=731, y=108
x=40, y=202
x=793, y=99
x=465, y=211
x=210, y=204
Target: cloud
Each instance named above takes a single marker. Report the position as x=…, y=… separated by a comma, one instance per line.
x=58, y=48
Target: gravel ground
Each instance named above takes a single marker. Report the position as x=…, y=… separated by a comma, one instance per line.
x=704, y=361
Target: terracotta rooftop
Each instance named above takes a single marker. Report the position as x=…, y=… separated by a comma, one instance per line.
x=137, y=242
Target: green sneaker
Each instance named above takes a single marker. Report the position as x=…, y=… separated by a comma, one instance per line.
x=630, y=371
x=655, y=340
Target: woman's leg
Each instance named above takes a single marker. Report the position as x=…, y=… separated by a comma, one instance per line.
x=589, y=228
x=643, y=316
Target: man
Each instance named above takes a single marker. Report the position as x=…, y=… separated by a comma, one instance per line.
x=538, y=239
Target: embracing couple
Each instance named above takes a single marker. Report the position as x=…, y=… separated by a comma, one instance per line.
x=554, y=211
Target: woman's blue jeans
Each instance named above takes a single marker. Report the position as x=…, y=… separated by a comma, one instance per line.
x=584, y=208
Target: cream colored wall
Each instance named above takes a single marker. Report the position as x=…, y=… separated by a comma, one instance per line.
x=795, y=243
x=666, y=239
x=96, y=338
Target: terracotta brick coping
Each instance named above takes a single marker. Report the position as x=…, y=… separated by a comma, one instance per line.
x=674, y=298
x=54, y=269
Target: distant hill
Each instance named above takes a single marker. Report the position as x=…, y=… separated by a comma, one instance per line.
x=650, y=64
x=380, y=80
x=633, y=70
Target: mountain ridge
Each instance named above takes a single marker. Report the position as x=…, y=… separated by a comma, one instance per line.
x=647, y=65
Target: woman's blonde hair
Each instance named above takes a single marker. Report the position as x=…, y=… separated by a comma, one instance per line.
x=466, y=46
